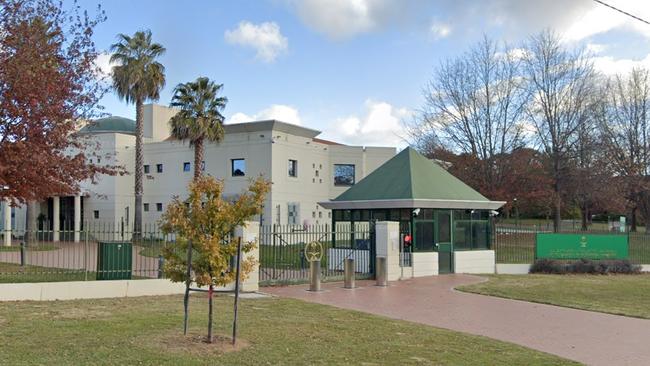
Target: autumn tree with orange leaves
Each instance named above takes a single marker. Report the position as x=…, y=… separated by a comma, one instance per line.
x=49, y=84
x=206, y=221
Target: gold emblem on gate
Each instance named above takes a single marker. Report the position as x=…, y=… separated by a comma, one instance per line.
x=314, y=251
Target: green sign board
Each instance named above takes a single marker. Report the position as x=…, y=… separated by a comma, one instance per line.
x=581, y=246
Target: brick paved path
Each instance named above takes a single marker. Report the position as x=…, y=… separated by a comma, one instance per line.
x=584, y=336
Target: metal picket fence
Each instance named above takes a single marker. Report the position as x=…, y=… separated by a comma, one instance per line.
x=516, y=243
x=97, y=251
x=282, y=258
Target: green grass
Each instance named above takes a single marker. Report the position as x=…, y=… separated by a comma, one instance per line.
x=615, y=294
x=14, y=273
x=31, y=248
x=146, y=331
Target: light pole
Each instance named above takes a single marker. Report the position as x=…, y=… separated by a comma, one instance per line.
x=516, y=211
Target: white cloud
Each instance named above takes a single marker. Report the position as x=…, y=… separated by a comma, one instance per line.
x=575, y=20
x=337, y=18
x=265, y=38
x=611, y=66
x=103, y=62
x=439, y=30
x=278, y=112
x=380, y=125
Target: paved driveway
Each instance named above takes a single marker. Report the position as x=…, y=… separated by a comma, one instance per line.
x=588, y=337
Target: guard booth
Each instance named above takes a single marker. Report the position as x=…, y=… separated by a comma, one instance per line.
x=445, y=225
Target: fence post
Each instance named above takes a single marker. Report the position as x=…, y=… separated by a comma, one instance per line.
x=86, y=252
x=161, y=263
x=22, y=254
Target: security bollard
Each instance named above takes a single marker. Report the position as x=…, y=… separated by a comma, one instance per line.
x=314, y=278
x=381, y=269
x=349, y=273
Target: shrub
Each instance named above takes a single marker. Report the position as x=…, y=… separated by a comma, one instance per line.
x=588, y=266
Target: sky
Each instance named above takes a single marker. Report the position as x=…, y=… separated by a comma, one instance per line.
x=354, y=69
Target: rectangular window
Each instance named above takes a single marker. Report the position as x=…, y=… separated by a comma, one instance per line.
x=293, y=168
x=159, y=168
x=146, y=169
x=187, y=166
x=146, y=207
x=343, y=174
x=203, y=166
x=159, y=207
x=96, y=214
x=293, y=214
x=238, y=167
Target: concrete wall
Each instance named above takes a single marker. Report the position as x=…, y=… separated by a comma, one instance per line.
x=512, y=268
x=424, y=264
x=474, y=261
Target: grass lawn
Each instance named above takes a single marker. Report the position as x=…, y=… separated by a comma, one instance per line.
x=34, y=247
x=148, y=331
x=14, y=273
x=616, y=294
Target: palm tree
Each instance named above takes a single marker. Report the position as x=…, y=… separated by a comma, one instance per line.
x=199, y=119
x=137, y=77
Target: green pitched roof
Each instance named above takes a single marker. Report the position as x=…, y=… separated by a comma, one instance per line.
x=411, y=180
x=113, y=124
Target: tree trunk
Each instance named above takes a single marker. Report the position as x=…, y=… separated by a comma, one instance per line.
x=210, y=291
x=633, y=220
x=198, y=158
x=557, y=217
x=139, y=116
x=31, y=225
x=585, y=213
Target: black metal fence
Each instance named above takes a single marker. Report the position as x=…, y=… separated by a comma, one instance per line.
x=96, y=251
x=282, y=251
x=516, y=243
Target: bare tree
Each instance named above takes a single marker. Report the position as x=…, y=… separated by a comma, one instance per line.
x=625, y=129
x=560, y=85
x=473, y=106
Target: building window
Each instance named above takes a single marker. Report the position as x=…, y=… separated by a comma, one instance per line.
x=293, y=214
x=187, y=166
x=159, y=168
x=203, y=166
x=146, y=207
x=293, y=168
x=320, y=214
x=317, y=173
x=146, y=169
x=343, y=174
x=96, y=214
x=159, y=207
x=313, y=214
x=238, y=167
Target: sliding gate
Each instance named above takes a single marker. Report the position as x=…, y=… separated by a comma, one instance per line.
x=282, y=251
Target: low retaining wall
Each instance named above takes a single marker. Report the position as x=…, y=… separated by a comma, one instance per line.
x=73, y=290
x=513, y=268
x=474, y=261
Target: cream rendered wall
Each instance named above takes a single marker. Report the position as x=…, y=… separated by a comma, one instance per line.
x=156, y=121
x=173, y=181
x=310, y=186
x=112, y=194
x=365, y=160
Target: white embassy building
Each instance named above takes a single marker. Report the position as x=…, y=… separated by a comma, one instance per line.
x=303, y=169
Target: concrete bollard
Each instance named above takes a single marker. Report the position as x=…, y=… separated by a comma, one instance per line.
x=382, y=269
x=314, y=277
x=349, y=273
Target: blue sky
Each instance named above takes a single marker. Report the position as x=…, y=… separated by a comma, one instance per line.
x=352, y=69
